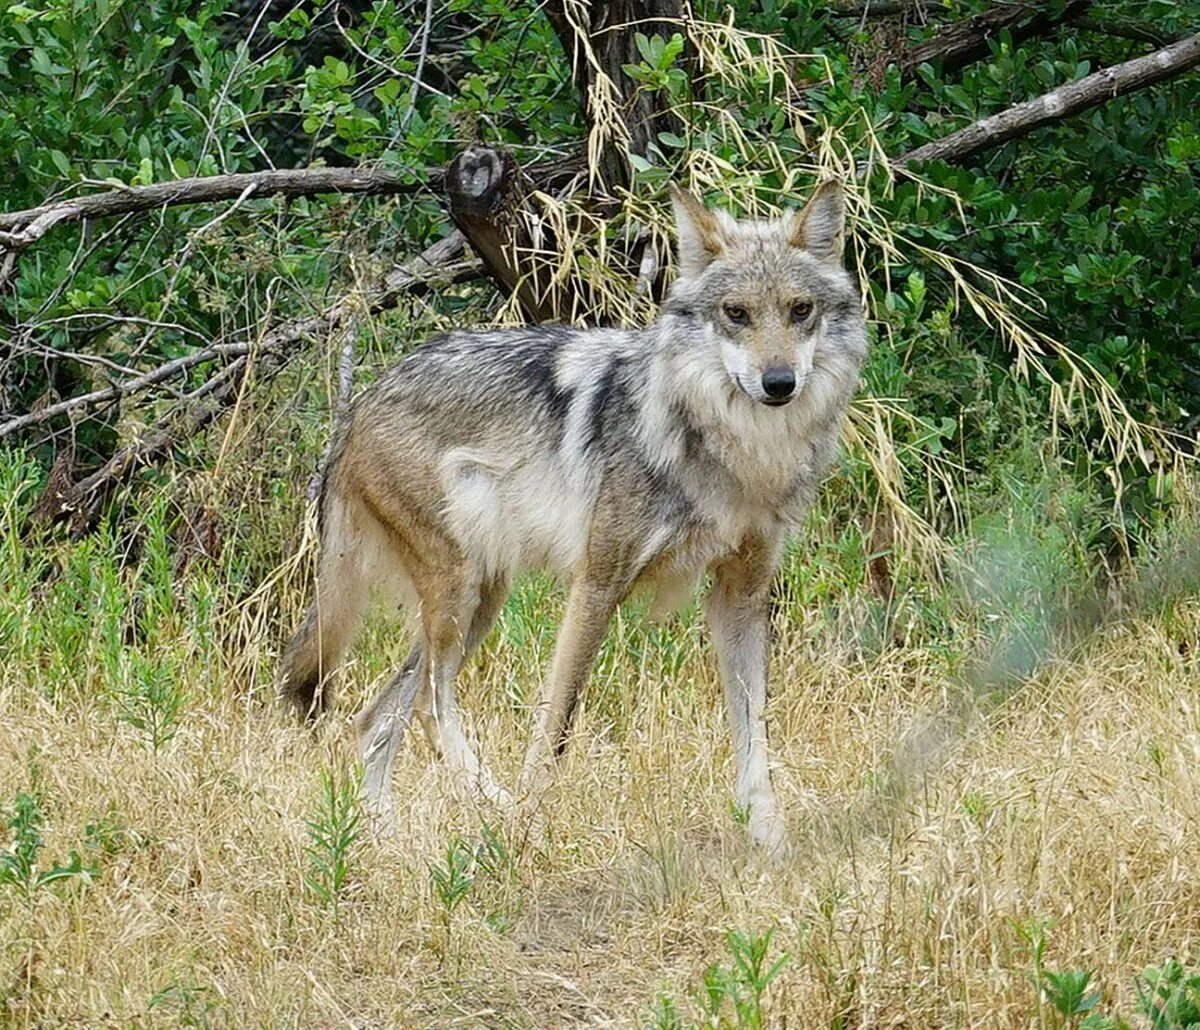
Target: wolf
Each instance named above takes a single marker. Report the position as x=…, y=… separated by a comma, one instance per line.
x=617, y=458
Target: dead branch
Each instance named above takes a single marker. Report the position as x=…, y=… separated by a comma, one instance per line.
x=1090, y=91
x=82, y=501
x=18, y=229
x=967, y=40
x=485, y=190
x=439, y=261
x=118, y=391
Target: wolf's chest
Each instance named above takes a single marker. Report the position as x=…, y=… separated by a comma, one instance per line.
x=737, y=481
x=674, y=573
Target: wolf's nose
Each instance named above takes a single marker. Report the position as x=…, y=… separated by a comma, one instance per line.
x=778, y=383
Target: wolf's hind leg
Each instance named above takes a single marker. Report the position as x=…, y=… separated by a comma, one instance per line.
x=381, y=725
x=452, y=632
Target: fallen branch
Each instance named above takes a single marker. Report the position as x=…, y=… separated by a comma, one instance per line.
x=18, y=229
x=82, y=501
x=1060, y=103
x=436, y=261
x=967, y=40
x=119, y=390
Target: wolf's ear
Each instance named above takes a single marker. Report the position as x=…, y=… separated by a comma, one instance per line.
x=821, y=227
x=702, y=234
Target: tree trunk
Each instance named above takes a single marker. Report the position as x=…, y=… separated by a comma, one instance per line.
x=598, y=39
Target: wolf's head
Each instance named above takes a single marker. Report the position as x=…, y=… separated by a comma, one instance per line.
x=773, y=295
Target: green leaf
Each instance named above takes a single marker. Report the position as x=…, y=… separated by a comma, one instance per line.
x=387, y=93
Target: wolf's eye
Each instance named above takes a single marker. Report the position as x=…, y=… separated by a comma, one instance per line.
x=737, y=314
x=801, y=310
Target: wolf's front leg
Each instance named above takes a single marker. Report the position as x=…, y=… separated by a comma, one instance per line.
x=737, y=615
x=590, y=608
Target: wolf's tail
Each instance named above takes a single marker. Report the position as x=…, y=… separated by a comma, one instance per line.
x=333, y=619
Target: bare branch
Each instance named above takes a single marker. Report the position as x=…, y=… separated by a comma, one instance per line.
x=18, y=229
x=426, y=29
x=81, y=502
x=1060, y=103
x=964, y=41
x=118, y=390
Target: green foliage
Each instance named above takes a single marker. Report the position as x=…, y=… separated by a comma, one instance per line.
x=21, y=867
x=1097, y=216
x=187, y=1005
x=467, y=865
x=733, y=995
x=1067, y=991
x=479, y=871
x=334, y=831
x=1169, y=996
x=657, y=69
x=149, y=696
x=452, y=878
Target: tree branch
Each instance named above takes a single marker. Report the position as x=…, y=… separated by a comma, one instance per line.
x=964, y=41
x=1060, y=103
x=118, y=390
x=81, y=502
x=18, y=229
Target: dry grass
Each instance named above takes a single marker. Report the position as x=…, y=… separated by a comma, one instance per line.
x=928, y=846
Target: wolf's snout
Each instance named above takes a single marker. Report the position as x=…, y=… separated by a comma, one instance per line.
x=778, y=384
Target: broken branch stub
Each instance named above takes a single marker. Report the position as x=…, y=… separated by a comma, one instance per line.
x=485, y=192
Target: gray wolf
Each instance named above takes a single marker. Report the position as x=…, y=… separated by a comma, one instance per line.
x=619, y=459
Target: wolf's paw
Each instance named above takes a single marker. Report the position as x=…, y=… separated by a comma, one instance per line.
x=380, y=821
x=379, y=813
x=529, y=824
x=769, y=834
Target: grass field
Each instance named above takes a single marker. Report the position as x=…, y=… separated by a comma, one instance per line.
x=984, y=806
